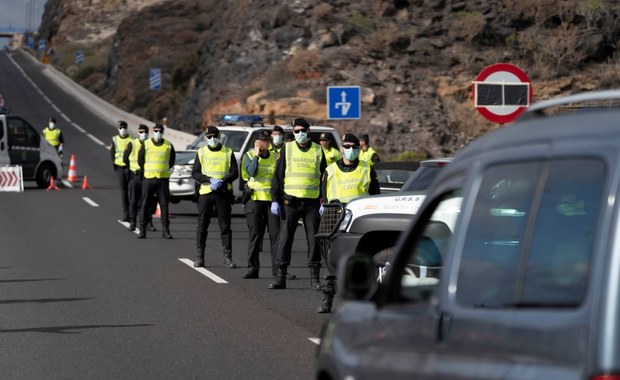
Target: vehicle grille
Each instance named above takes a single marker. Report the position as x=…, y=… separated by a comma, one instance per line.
x=333, y=213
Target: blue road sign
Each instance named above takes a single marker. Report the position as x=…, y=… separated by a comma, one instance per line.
x=155, y=79
x=41, y=45
x=79, y=57
x=344, y=102
x=31, y=42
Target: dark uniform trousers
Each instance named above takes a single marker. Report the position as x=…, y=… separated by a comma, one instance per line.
x=122, y=173
x=222, y=201
x=258, y=215
x=305, y=208
x=135, y=196
x=150, y=187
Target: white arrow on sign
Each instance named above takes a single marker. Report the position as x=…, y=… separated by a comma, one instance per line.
x=344, y=104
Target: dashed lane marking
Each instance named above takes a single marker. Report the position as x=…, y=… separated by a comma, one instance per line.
x=316, y=341
x=203, y=271
x=90, y=201
x=96, y=140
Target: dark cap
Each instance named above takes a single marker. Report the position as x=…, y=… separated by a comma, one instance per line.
x=143, y=128
x=350, y=138
x=52, y=120
x=211, y=130
x=301, y=122
x=158, y=127
x=364, y=137
x=277, y=128
x=325, y=137
x=263, y=134
x=122, y=123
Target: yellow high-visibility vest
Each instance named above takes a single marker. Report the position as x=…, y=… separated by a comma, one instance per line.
x=133, y=156
x=119, y=147
x=52, y=136
x=261, y=182
x=302, y=174
x=367, y=155
x=214, y=164
x=157, y=159
x=331, y=155
x=345, y=186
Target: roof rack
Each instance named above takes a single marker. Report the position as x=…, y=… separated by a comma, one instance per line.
x=238, y=119
x=576, y=102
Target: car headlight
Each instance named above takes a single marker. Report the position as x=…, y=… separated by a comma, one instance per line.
x=348, y=215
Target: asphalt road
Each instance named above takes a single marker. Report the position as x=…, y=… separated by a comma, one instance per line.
x=81, y=297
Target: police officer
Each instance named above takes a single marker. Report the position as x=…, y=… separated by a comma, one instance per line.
x=295, y=193
x=367, y=153
x=155, y=158
x=130, y=158
x=53, y=135
x=257, y=169
x=277, y=137
x=119, y=143
x=347, y=178
x=331, y=154
x=215, y=169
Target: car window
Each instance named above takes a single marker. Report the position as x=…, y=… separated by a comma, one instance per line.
x=231, y=139
x=422, y=178
x=21, y=133
x=426, y=258
x=184, y=158
x=506, y=262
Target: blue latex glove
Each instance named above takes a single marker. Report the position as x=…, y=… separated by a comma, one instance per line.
x=214, y=180
x=321, y=209
x=215, y=183
x=275, y=208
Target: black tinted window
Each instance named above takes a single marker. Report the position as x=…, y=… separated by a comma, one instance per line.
x=21, y=133
x=421, y=179
x=507, y=262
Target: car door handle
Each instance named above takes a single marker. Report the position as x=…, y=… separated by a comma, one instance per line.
x=443, y=327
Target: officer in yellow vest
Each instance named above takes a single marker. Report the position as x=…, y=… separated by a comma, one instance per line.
x=258, y=166
x=53, y=135
x=155, y=158
x=367, y=153
x=331, y=154
x=347, y=178
x=295, y=193
x=119, y=143
x=215, y=169
x=277, y=139
x=130, y=158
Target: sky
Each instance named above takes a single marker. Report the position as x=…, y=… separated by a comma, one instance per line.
x=14, y=14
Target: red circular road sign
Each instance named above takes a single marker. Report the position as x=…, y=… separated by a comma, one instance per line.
x=502, y=92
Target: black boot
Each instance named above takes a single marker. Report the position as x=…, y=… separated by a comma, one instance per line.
x=252, y=273
x=200, y=257
x=329, y=290
x=280, y=281
x=315, y=282
x=132, y=225
x=228, y=263
x=150, y=226
x=166, y=233
x=142, y=234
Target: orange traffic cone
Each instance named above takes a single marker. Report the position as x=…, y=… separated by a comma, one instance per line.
x=52, y=185
x=72, y=175
x=85, y=184
x=157, y=212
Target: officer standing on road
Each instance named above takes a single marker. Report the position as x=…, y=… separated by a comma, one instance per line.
x=295, y=193
x=155, y=158
x=367, y=153
x=277, y=137
x=257, y=169
x=347, y=178
x=53, y=135
x=331, y=154
x=119, y=143
x=130, y=158
x=215, y=169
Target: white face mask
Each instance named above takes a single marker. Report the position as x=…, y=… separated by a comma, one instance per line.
x=213, y=142
x=51, y=125
x=277, y=139
x=122, y=132
x=351, y=154
x=157, y=136
x=301, y=137
x=144, y=136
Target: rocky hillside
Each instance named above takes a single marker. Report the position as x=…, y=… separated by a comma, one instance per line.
x=414, y=59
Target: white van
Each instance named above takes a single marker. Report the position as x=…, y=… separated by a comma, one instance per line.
x=21, y=144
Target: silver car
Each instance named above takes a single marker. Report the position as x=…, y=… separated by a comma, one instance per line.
x=182, y=185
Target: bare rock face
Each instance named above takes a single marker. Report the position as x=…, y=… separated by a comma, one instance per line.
x=414, y=60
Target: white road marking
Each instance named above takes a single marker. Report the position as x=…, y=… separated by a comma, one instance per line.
x=203, y=271
x=56, y=108
x=96, y=140
x=126, y=224
x=78, y=128
x=316, y=341
x=66, y=118
x=67, y=184
x=90, y=201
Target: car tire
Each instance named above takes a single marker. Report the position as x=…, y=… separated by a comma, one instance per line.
x=45, y=172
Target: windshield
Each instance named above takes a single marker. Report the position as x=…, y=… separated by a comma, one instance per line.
x=231, y=139
x=184, y=158
x=422, y=178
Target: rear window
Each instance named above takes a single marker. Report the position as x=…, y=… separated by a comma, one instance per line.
x=231, y=139
x=422, y=178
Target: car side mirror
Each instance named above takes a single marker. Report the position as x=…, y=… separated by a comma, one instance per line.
x=358, y=277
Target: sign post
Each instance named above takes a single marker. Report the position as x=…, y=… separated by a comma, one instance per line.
x=502, y=92
x=344, y=103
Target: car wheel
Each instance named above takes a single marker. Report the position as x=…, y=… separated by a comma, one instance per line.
x=174, y=200
x=44, y=175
